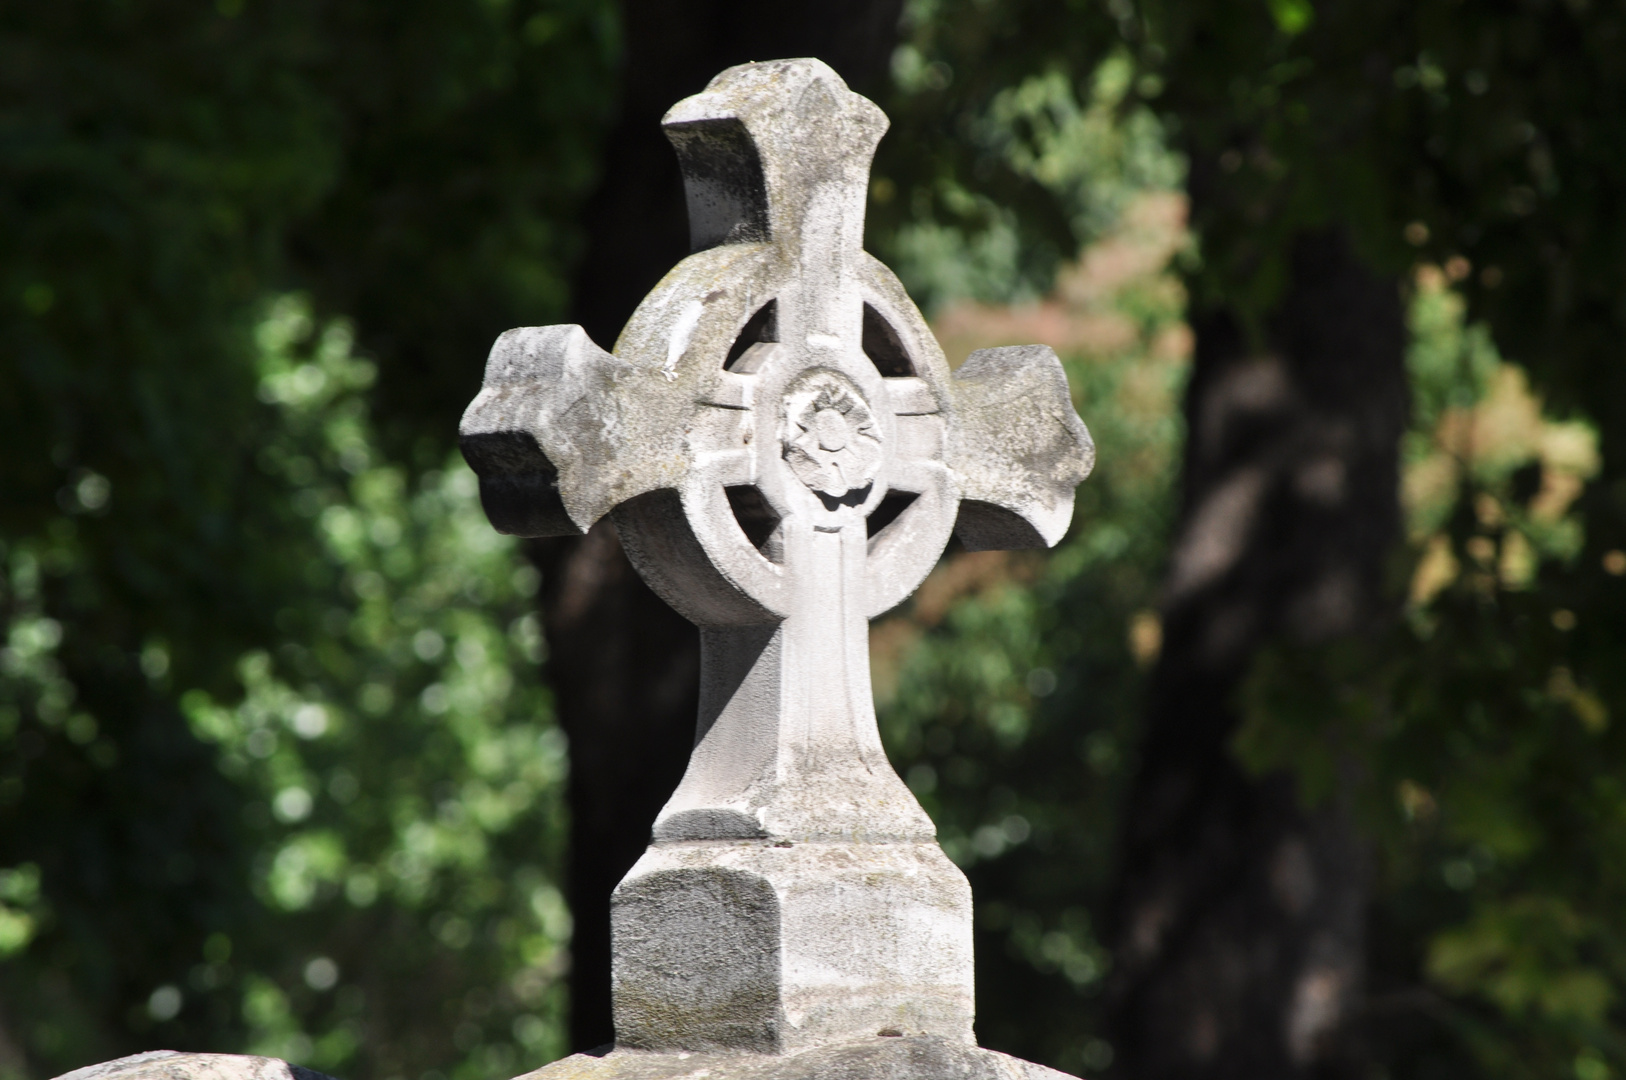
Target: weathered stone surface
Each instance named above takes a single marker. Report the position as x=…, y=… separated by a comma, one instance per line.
x=874, y=1058
x=174, y=1065
x=1019, y=448
x=765, y=947
x=785, y=454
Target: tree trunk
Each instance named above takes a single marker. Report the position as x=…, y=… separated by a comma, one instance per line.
x=1239, y=913
x=624, y=666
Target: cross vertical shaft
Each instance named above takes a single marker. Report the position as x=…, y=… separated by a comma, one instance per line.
x=787, y=746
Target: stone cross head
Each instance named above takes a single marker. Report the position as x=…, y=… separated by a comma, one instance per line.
x=785, y=454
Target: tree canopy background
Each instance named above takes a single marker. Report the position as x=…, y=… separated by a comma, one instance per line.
x=279, y=770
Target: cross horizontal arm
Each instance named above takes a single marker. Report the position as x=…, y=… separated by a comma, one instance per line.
x=1018, y=448
x=559, y=433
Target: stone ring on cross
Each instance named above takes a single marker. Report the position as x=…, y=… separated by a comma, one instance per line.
x=785, y=454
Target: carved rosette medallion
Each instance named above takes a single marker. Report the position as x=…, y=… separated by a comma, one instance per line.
x=831, y=440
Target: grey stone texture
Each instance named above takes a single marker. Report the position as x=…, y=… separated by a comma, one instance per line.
x=173, y=1065
x=922, y=1057
x=785, y=453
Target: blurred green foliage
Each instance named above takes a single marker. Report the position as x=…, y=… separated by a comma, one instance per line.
x=1088, y=145
x=275, y=768
x=1474, y=152
x=403, y=769
x=1481, y=732
x=388, y=778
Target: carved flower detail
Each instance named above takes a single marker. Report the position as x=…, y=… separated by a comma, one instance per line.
x=831, y=442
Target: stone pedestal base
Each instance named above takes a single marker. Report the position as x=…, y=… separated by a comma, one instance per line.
x=917, y=1058
x=774, y=948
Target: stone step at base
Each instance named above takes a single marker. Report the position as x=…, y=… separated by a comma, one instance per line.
x=923, y=1057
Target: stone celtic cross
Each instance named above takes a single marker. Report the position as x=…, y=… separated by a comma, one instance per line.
x=785, y=454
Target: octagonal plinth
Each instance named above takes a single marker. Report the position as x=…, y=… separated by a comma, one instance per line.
x=774, y=948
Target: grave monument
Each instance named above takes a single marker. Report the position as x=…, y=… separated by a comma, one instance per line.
x=785, y=454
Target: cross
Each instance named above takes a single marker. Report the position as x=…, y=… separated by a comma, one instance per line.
x=785, y=454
